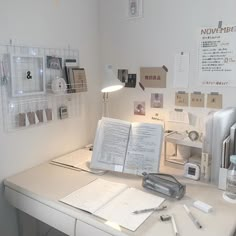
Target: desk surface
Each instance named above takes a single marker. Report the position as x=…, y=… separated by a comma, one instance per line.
x=48, y=183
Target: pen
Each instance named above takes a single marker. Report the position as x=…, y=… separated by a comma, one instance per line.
x=194, y=220
x=150, y=209
x=174, y=225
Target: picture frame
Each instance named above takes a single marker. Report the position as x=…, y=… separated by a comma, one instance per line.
x=135, y=8
x=27, y=75
x=54, y=63
x=157, y=100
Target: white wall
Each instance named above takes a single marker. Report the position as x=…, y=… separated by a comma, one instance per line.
x=57, y=24
x=168, y=27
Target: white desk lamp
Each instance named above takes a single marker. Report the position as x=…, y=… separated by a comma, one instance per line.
x=110, y=83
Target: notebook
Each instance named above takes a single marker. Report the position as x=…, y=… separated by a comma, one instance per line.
x=114, y=202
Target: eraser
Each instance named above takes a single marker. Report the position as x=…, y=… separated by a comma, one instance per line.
x=203, y=206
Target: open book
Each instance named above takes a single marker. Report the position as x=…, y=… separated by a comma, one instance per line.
x=127, y=147
x=114, y=202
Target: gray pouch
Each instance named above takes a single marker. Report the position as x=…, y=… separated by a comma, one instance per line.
x=164, y=184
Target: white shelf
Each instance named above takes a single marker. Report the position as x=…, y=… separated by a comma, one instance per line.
x=182, y=139
x=176, y=139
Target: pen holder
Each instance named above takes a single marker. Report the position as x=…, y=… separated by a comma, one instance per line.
x=164, y=184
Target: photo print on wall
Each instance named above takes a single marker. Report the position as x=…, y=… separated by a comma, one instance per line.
x=131, y=81
x=54, y=62
x=128, y=79
x=123, y=75
x=139, y=108
x=157, y=100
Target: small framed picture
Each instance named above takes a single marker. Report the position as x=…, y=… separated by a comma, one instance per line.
x=135, y=8
x=157, y=100
x=54, y=63
x=28, y=75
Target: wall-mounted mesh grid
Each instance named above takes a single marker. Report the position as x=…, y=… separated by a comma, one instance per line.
x=27, y=75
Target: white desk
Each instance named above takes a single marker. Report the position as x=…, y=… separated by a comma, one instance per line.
x=37, y=191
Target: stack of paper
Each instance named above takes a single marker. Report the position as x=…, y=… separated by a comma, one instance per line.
x=79, y=159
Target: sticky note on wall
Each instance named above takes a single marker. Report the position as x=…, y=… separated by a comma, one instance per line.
x=197, y=100
x=214, y=100
x=181, y=99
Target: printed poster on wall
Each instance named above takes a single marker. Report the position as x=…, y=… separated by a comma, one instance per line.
x=217, y=56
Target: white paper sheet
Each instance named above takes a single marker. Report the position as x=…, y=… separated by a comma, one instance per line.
x=181, y=72
x=217, y=56
x=74, y=159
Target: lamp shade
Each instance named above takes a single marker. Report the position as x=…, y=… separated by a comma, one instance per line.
x=110, y=82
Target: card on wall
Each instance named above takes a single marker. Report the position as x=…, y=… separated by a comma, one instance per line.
x=128, y=79
x=153, y=77
x=214, y=100
x=181, y=99
x=179, y=116
x=157, y=100
x=131, y=81
x=197, y=99
x=139, y=108
x=123, y=75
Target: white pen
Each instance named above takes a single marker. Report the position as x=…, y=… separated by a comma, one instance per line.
x=192, y=217
x=174, y=225
x=150, y=209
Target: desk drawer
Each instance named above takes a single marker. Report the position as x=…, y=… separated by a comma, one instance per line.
x=83, y=229
x=40, y=211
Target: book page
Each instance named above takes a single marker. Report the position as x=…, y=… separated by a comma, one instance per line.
x=94, y=195
x=144, y=148
x=110, y=144
x=120, y=209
